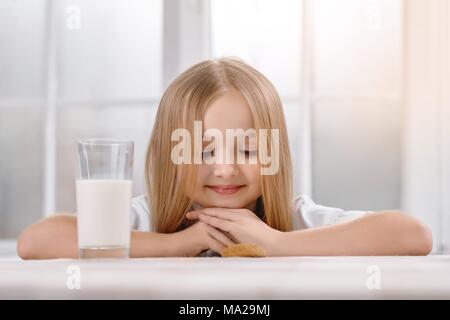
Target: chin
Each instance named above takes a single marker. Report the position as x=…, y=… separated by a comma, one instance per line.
x=227, y=203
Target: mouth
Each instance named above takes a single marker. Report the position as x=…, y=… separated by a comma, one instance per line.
x=225, y=189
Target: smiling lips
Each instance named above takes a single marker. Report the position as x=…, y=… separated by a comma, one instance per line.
x=225, y=189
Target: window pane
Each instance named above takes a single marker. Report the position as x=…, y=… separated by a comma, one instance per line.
x=357, y=46
x=357, y=154
x=21, y=169
x=124, y=122
x=266, y=34
x=116, y=53
x=22, y=45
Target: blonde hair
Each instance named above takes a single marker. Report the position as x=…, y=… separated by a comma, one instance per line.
x=185, y=100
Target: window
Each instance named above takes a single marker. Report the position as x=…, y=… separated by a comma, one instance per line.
x=60, y=83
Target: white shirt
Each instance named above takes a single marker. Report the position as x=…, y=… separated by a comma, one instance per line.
x=306, y=214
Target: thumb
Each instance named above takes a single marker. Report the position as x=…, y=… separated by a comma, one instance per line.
x=192, y=215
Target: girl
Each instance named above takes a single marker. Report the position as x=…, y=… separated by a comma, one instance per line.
x=193, y=208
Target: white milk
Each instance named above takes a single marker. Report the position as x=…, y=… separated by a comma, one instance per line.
x=103, y=209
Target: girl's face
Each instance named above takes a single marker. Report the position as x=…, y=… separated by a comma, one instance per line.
x=228, y=185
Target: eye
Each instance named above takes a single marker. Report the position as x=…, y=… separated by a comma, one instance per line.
x=249, y=153
x=207, y=154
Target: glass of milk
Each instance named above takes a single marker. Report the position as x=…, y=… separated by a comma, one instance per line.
x=103, y=190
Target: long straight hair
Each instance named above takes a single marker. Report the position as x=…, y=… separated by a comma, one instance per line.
x=185, y=100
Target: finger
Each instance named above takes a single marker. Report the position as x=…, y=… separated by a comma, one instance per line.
x=220, y=236
x=230, y=236
x=215, y=212
x=222, y=213
x=215, y=245
x=221, y=224
x=192, y=215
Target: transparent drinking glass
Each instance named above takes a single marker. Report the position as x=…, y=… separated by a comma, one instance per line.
x=104, y=174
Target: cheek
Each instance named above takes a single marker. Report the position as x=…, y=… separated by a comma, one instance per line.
x=193, y=191
x=202, y=174
x=252, y=175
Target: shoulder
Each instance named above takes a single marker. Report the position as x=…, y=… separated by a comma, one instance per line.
x=140, y=213
x=308, y=214
x=140, y=202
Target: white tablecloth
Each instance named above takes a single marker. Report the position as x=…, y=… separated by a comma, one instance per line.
x=228, y=278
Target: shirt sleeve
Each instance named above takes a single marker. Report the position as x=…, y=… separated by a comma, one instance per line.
x=140, y=214
x=313, y=215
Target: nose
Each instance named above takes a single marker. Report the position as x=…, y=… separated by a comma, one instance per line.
x=225, y=170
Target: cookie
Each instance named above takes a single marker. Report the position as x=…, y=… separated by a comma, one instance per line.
x=244, y=250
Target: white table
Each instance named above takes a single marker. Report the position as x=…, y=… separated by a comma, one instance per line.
x=229, y=278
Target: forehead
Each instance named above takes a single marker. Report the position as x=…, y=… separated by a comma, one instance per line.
x=228, y=111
